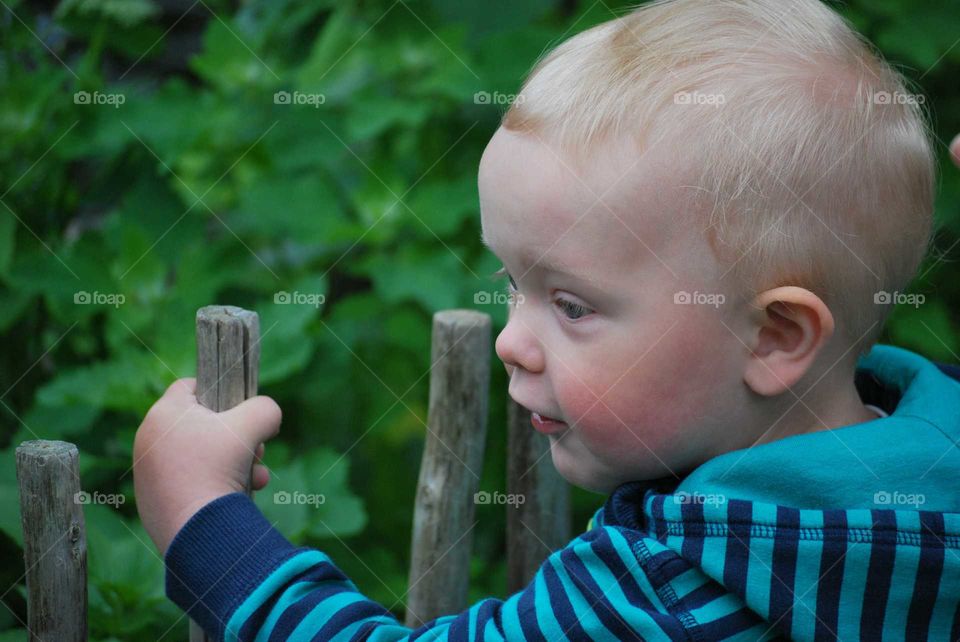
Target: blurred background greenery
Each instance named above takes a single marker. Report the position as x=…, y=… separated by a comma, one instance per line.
x=148, y=161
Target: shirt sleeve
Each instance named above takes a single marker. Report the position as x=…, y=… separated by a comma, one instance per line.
x=231, y=571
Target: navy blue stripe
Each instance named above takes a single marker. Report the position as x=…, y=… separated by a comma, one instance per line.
x=562, y=609
x=604, y=550
x=831, y=574
x=346, y=617
x=291, y=617
x=737, y=557
x=730, y=624
x=693, y=532
x=879, y=573
x=929, y=571
x=703, y=595
x=659, y=523
x=784, y=569
x=526, y=606
x=491, y=610
x=605, y=611
x=321, y=571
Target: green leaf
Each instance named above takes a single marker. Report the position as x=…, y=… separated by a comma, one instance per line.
x=443, y=206
x=123, y=383
x=372, y=114
x=415, y=274
x=310, y=496
x=287, y=207
x=286, y=346
x=230, y=59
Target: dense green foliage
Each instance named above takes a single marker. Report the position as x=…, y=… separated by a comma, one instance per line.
x=202, y=188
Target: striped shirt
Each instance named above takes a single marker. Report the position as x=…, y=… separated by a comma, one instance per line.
x=749, y=546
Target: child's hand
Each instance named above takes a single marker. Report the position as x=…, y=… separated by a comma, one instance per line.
x=955, y=150
x=186, y=455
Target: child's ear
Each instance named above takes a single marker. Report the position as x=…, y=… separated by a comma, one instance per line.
x=790, y=326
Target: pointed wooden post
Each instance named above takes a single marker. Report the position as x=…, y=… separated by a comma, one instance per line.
x=228, y=365
x=452, y=461
x=540, y=524
x=54, y=540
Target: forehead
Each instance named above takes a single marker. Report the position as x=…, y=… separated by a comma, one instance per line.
x=602, y=215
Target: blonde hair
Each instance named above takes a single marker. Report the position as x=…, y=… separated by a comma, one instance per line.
x=773, y=100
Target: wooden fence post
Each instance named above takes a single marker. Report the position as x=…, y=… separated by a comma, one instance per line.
x=452, y=461
x=541, y=523
x=54, y=540
x=228, y=365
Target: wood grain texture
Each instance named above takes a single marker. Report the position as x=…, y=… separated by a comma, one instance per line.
x=443, y=517
x=54, y=540
x=228, y=365
x=541, y=524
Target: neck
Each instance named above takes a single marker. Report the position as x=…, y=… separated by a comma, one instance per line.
x=840, y=406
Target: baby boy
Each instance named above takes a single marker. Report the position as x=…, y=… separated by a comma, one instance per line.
x=706, y=210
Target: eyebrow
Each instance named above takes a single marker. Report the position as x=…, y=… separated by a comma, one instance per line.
x=546, y=264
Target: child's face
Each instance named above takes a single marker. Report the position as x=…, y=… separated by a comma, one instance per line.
x=644, y=386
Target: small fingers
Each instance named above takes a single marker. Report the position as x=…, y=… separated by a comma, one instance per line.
x=185, y=385
x=260, y=477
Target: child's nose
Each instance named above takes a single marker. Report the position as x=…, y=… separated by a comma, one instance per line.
x=518, y=347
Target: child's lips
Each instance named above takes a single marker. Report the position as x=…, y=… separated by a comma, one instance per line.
x=546, y=425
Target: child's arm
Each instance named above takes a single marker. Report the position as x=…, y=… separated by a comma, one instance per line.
x=240, y=579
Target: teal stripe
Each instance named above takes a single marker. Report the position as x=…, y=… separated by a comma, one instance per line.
x=856, y=563
x=307, y=628
x=543, y=608
x=579, y=601
x=759, y=573
x=904, y=575
x=714, y=554
x=344, y=635
x=688, y=582
x=390, y=631
x=809, y=553
x=942, y=616
x=723, y=605
x=274, y=582
x=290, y=596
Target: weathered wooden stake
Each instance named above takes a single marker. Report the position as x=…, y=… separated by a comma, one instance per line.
x=228, y=365
x=541, y=523
x=451, y=465
x=54, y=540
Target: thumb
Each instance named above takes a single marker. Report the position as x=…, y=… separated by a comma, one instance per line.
x=255, y=420
x=955, y=150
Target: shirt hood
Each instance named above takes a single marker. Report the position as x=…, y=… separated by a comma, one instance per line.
x=859, y=524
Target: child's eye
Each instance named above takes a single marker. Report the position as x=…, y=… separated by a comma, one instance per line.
x=572, y=311
x=503, y=272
